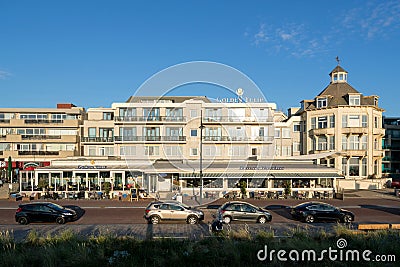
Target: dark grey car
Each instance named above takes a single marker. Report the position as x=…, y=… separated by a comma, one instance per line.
x=242, y=211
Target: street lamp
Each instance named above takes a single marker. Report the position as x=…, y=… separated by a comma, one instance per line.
x=201, y=156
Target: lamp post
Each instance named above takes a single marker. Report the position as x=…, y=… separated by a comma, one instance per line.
x=201, y=156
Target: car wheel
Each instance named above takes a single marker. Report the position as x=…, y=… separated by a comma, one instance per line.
x=192, y=219
x=262, y=219
x=60, y=220
x=227, y=219
x=309, y=219
x=23, y=220
x=347, y=219
x=155, y=219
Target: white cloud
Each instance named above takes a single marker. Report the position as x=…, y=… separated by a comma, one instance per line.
x=373, y=20
x=4, y=74
x=291, y=38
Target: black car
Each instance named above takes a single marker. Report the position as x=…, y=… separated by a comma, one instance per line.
x=242, y=211
x=312, y=211
x=44, y=212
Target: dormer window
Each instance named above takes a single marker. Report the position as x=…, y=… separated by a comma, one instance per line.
x=322, y=102
x=354, y=100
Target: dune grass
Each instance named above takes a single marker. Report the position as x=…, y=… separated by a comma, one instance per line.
x=233, y=248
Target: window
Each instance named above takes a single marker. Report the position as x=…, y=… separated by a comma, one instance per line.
x=296, y=127
x=364, y=167
x=127, y=112
x=331, y=142
x=313, y=122
x=127, y=151
x=344, y=142
x=364, y=122
x=92, y=132
x=106, y=151
x=106, y=132
x=322, y=102
x=377, y=122
x=173, y=151
x=344, y=121
x=213, y=114
x=92, y=151
x=193, y=151
x=353, y=121
x=354, y=142
x=364, y=142
x=354, y=100
x=174, y=114
x=193, y=132
x=322, y=143
x=277, y=132
x=344, y=166
x=322, y=122
x=237, y=151
x=127, y=133
x=354, y=167
x=213, y=131
x=108, y=116
x=151, y=150
x=174, y=132
x=211, y=151
x=151, y=114
x=332, y=121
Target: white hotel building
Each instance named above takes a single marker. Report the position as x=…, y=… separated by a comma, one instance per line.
x=168, y=143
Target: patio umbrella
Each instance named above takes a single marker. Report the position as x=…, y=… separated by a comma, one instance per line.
x=9, y=170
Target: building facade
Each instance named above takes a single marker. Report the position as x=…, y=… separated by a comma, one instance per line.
x=31, y=137
x=391, y=146
x=343, y=121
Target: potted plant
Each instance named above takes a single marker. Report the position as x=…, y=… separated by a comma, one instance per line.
x=107, y=189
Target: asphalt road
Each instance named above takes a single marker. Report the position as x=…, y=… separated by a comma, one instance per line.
x=126, y=218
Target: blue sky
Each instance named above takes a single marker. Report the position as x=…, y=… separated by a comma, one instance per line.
x=94, y=53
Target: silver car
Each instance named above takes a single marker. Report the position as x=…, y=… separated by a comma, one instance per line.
x=172, y=210
x=242, y=211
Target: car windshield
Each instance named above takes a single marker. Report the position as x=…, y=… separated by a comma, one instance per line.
x=55, y=206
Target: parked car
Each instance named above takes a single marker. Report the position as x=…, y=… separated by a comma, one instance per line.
x=395, y=183
x=312, y=211
x=242, y=211
x=158, y=211
x=44, y=212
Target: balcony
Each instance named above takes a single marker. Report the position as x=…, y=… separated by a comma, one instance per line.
x=149, y=119
x=322, y=131
x=379, y=131
x=355, y=130
x=256, y=139
x=97, y=139
x=233, y=119
x=40, y=137
x=150, y=138
x=44, y=123
x=38, y=153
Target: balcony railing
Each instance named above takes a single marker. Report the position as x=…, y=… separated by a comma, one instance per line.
x=237, y=119
x=40, y=137
x=149, y=118
x=38, y=153
x=149, y=138
x=42, y=121
x=97, y=139
x=238, y=139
